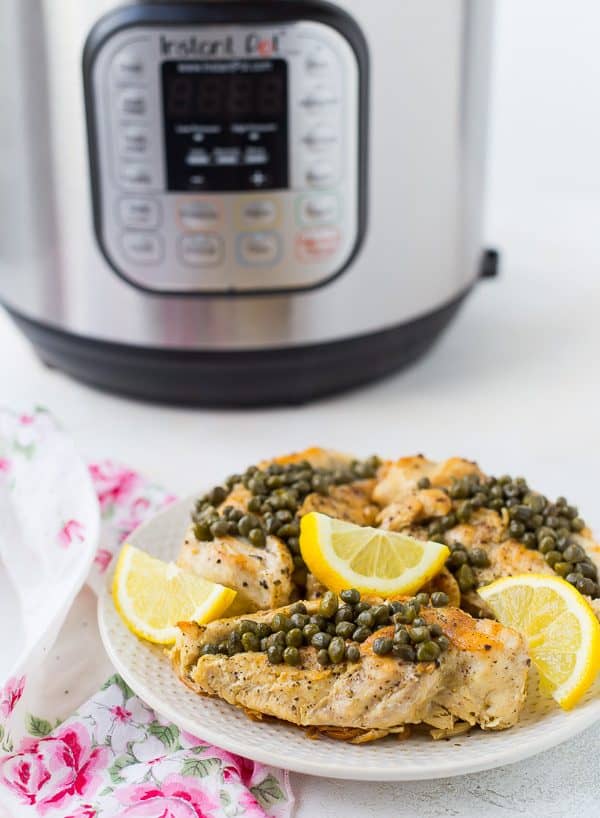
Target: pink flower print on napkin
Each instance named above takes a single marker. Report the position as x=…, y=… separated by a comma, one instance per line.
x=48, y=771
x=5, y=465
x=176, y=797
x=10, y=695
x=113, y=483
x=102, y=559
x=72, y=531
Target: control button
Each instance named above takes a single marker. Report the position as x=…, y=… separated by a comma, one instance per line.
x=129, y=65
x=227, y=156
x=134, y=141
x=321, y=137
x=255, y=155
x=318, y=244
x=260, y=211
x=198, y=215
x=132, y=102
x=136, y=175
x=138, y=212
x=197, y=157
x=256, y=249
x=142, y=248
x=319, y=98
x=319, y=209
x=258, y=179
x=321, y=174
x=319, y=60
x=201, y=250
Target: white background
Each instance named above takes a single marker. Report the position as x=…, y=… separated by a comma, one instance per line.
x=514, y=382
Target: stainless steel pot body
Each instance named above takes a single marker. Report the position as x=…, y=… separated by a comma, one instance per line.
x=429, y=67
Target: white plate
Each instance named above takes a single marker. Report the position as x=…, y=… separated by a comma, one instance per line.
x=146, y=669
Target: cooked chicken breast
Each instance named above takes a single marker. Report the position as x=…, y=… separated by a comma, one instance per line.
x=350, y=502
x=481, y=679
x=262, y=577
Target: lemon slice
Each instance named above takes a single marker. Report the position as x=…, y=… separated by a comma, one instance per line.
x=152, y=596
x=372, y=560
x=560, y=626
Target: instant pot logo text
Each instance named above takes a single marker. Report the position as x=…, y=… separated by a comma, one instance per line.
x=194, y=46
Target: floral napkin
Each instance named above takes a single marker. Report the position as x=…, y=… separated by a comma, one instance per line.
x=115, y=756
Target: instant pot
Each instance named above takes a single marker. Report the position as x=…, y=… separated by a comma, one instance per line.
x=238, y=203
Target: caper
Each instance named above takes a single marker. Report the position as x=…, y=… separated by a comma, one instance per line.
x=361, y=633
x=291, y=656
x=428, y=652
x=443, y=642
x=587, y=569
x=272, y=525
x=511, y=502
x=479, y=499
x=366, y=619
x=574, y=577
x=310, y=630
x=529, y=540
x=234, y=643
x=552, y=557
x=401, y=636
x=350, y=596
x=552, y=521
x=587, y=586
x=360, y=607
x=420, y=634
x=255, y=503
x=220, y=528
x=320, y=483
x=521, y=513
x=337, y=650
x=319, y=620
x=275, y=654
x=321, y=640
x=294, y=638
x=547, y=544
x=202, y=532
x=404, y=652
x=299, y=620
x=352, y=653
x=263, y=629
x=405, y=616
x=233, y=479
x=382, y=646
x=439, y=599
x=465, y=578
x=572, y=512
x=289, y=530
x=209, y=650
x=448, y=521
x=247, y=626
x=516, y=529
x=381, y=614
x=464, y=511
x=395, y=607
x=257, y=485
x=328, y=605
x=222, y=647
x=257, y=537
x=435, y=629
x=479, y=558
x=323, y=657
x=232, y=528
x=277, y=638
x=563, y=568
x=496, y=492
x=422, y=598
x=544, y=531
x=281, y=622
x=424, y=483
x=345, y=629
x=419, y=622
x=330, y=629
x=217, y=495
x=574, y=553
x=250, y=641
x=457, y=558
x=536, y=502
x=434, y=529
x=496, y=504
x=298, y=608
x=345, y=613
x=247, y=523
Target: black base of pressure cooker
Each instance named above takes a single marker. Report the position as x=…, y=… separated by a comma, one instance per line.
x=289, y=375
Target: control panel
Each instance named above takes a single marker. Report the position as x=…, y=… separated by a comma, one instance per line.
x=226, y=158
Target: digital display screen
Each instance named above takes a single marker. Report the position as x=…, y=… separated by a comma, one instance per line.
x=226, y=124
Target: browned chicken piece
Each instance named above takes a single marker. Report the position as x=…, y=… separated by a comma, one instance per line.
x=262, y=577
x=481, y=679
x=317, y=457
x=351, y=502
x=401, y=477
x=413, y=507
x=445, y=582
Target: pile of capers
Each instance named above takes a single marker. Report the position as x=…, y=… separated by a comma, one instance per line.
x=338, y=628
x=278, y=492
x=534, y=521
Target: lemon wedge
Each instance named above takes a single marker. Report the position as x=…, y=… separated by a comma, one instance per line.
x=562, y=632
x=152, y=596
x=372, y=560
